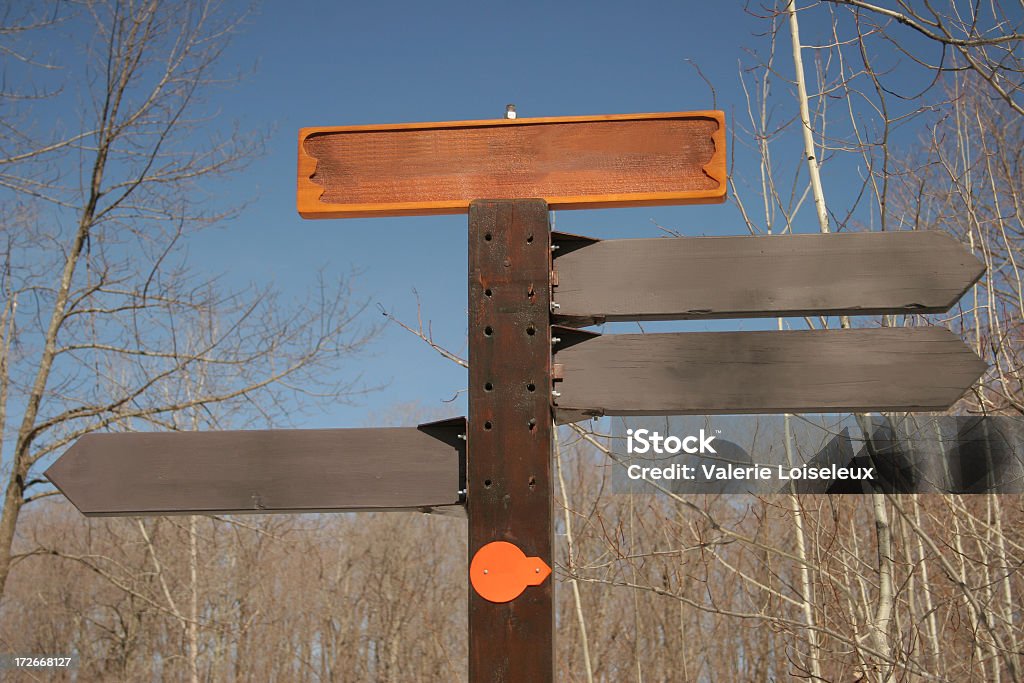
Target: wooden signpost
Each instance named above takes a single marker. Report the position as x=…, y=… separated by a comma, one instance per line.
x=573, y=162
x=807, y=371
x=529, y=366
x=278, y=470
x=510, y=426
x=749, y=277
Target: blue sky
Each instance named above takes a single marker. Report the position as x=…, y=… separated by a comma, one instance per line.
x=330, y=63
x=333, y=63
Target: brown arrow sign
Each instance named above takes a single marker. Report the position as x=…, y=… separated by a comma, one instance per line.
x=264, y=471
x=760, y=276
x=897, y=369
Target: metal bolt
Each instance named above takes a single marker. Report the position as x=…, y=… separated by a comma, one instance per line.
x=485, y=571
x=536, y=570
x=462, y=436
x=554, y=306
x=555, y=340
x=555, y=247
x=556, y=394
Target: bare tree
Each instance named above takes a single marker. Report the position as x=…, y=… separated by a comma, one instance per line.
x=983, y=37
x=651, y=587
x=103, y=322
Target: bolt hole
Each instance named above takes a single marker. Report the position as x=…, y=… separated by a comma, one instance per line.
x=487, y=236
x=488, y=387
x=531, y=387
x=487, y=483
x=488, y=425
x=488, y=292
x=531, y=330
x=533, y=483
x=529, y=239
x=488, y=331
x=532, y=424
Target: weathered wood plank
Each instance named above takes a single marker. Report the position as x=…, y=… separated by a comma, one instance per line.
x=750, y=276
x=898, y=369
x=263, y=471
x=572, y=162
x=509, y=466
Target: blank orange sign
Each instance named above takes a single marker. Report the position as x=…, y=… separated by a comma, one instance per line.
x=578, y=162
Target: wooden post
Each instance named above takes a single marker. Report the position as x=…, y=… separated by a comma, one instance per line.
x=509, y=495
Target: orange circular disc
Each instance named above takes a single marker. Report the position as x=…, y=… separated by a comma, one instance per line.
x=500, y=571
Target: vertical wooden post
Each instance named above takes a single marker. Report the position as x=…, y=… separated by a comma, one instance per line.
x=509, y=436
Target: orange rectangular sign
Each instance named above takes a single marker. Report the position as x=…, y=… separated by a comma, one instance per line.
x=576, y=162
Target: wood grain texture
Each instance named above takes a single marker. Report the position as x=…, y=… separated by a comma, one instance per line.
x=570, y=162
x=262, y=471
x=509, y=495
x=703, y=373
x=788, y=275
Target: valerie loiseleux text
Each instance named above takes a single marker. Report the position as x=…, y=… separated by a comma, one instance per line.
x=642, y=441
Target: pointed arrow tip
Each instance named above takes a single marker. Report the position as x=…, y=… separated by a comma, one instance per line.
x=65, y=472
